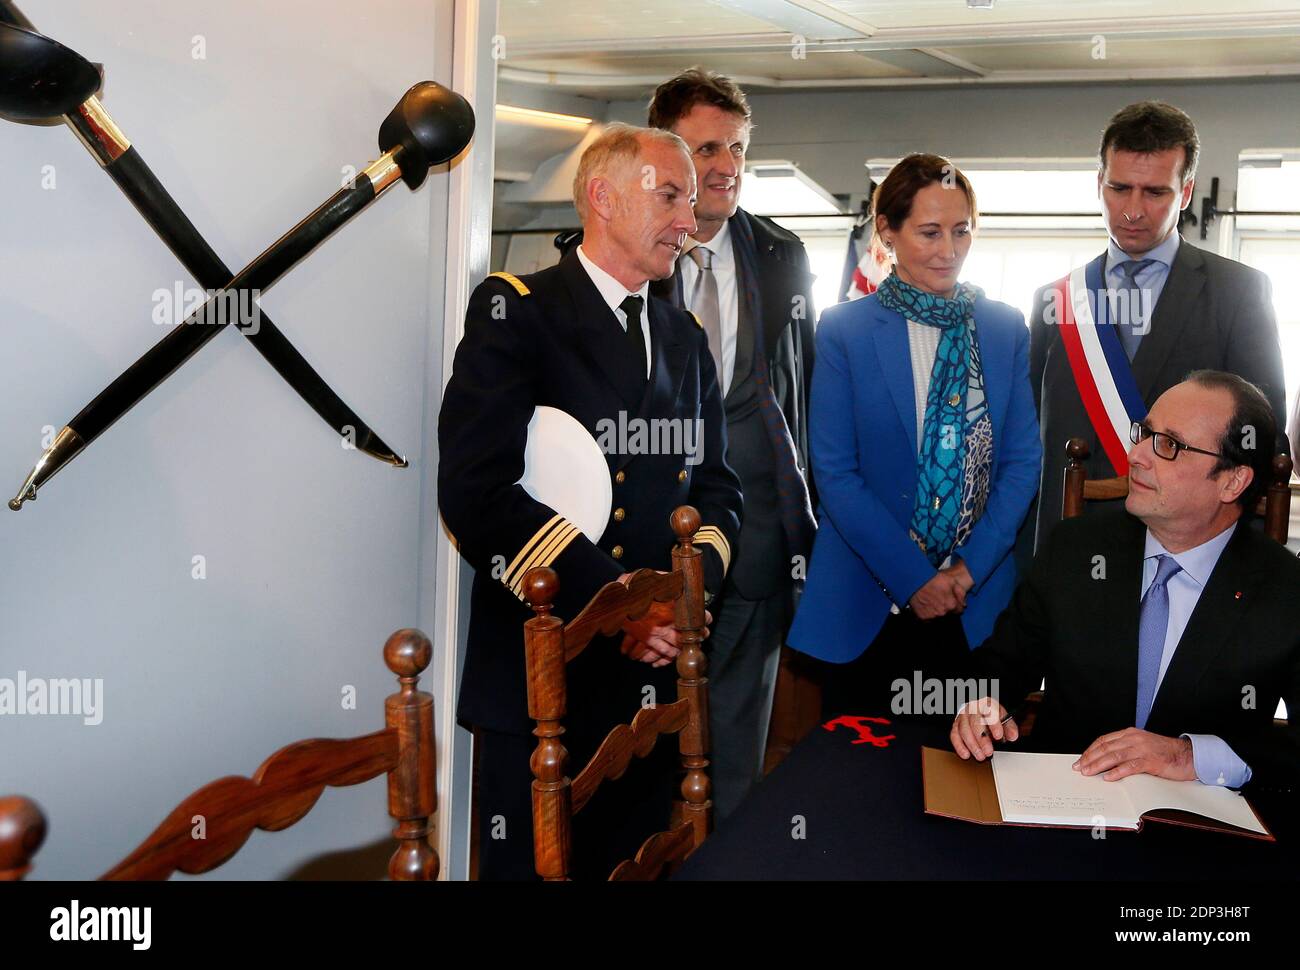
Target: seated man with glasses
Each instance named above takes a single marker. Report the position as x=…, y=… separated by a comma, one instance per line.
x=1167, y=633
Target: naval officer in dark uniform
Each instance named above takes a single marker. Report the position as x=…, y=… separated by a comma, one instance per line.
x=586, y=337
x=747, y=281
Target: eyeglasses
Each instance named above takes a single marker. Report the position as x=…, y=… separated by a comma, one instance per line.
x=1163, y=445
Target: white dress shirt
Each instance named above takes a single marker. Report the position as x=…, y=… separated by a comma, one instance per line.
x=724, y=271
x=922, y=346
x=614, y=293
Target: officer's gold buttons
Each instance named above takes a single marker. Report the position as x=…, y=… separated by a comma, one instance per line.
x=619, y=515
x=617, y=552
x=620, y=476
x=681, y=475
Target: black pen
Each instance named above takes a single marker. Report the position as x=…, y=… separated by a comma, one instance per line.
x=1004, y=721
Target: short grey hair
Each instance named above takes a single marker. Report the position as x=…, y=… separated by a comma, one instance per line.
x=618, y=145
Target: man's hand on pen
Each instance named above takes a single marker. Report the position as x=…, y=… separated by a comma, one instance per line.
x=1136, y=752
x=978, y=725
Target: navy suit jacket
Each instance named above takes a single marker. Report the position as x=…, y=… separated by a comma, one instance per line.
x=864, y=457
x=1078, y=629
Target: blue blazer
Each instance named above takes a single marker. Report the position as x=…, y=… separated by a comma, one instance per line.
x=862, y=431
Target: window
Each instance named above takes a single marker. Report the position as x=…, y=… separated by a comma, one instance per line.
x=1026, y=243
x=1270, y=180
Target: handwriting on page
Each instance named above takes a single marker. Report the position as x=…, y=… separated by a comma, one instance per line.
x=1057, y=804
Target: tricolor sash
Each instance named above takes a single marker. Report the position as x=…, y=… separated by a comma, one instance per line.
x=1102, y=372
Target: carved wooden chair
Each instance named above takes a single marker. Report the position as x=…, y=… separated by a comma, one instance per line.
x=283, y=790
x=551, y=644
x=1274, y=507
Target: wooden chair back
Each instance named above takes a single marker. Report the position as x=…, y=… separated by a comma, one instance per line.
x=551, y=644
x=1274, y=507
x=283, y=790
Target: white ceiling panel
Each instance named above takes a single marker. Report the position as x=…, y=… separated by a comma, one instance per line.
x=665, y=65
x=892, y=14
x=530, y=21
x=1135, y=53
x=615, y=48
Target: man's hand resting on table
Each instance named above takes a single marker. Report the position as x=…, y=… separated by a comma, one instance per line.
x=1113, y=756
x=1137, y=752
x=653, y=638
x=968, y=734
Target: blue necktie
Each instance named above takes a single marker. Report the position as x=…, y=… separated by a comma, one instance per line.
x=1153, y=624
x=1127, y=323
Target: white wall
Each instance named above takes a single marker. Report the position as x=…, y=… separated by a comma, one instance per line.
x=312, y=552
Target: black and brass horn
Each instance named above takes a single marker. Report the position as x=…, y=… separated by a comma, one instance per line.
x=41, y=80
x=430, y=125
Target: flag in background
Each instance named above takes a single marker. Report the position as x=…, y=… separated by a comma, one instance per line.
x=873, y=267
x=866, y=263
x=853, y=256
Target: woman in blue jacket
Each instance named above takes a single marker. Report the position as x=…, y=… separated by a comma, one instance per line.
x=925, y=452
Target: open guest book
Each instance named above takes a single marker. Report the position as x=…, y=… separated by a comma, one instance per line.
x=1022, y=788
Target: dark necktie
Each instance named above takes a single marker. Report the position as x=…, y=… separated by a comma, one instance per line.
x=1131, y=321
x=631, y=307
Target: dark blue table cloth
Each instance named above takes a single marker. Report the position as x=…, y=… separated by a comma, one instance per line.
x=835, y=809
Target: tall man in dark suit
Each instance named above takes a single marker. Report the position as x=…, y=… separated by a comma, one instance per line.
x=585, y=337
x=1176, y=307
x=1168, y=632
x=747, y=281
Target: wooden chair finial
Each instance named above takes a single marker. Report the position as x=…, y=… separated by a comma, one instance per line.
x=541, y=586
x=685, y=522
x=412, y=791
x=408, y=652
x=22, y=830
x=1282, y=467
x=1076, y=449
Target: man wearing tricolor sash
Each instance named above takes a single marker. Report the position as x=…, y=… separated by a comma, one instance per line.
x=1113, y=335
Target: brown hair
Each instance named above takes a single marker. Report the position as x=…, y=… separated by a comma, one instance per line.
x=675, y=98
x=1252, y=421
x=1153, y=126
x=894, y=196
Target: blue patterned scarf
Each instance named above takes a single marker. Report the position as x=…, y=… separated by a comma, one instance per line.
x=940, y=471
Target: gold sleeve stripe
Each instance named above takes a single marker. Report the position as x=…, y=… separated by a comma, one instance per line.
x=513, y=280
x=719, y=546
x=712, y=532
x=713, y=536
x=538, y=538
x=546, y=555
x=697, y=319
